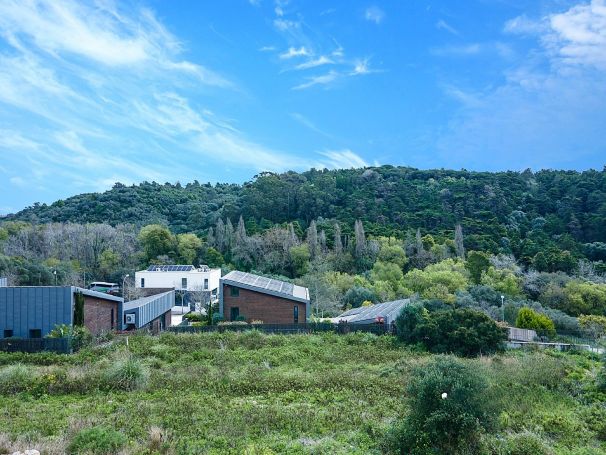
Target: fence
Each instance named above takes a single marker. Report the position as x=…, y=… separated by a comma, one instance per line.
x=60, y=345
x=378, y=329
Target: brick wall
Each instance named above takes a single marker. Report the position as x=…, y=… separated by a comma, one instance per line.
x=262, y=307
x=97, y=315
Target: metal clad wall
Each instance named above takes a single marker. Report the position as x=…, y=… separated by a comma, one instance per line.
x=151, y=309
x=25, y=308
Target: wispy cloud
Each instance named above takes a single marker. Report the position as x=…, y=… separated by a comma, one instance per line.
x=309, y=124
x=443, y=25
x=341, y=159
x=550, y=110
x=501, y=49
x=315, y=62
x=295, y=52
x=323, y=79
x=374, y=14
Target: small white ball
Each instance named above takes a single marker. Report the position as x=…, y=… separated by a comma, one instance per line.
x=444, y=396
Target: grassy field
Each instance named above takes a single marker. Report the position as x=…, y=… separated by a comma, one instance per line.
x=262, y=394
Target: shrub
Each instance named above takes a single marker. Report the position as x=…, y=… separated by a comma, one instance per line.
x=97, y=440
x=79, y=335
x=449, y=409
x=464, y=331
x=15, y=378
x=525, y=444
x=530, y=319
x=217, y=317
x=126, y=373
x=194, y=317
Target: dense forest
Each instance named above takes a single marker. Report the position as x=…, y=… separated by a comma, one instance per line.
x=352, y=236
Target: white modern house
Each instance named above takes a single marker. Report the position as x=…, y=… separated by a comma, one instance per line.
x=181, y=278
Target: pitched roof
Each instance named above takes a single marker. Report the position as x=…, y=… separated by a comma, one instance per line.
x=389, y=311
x=266, y=285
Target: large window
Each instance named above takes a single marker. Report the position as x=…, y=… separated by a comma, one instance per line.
x=35, y=333
x=296, y=313
x=205, y=283
x=183, y=283
x=142, y=282
x=113, y=321
x=8, y=333
x=233, y=291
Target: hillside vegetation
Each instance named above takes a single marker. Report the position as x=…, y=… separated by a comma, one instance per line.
x=235, y=393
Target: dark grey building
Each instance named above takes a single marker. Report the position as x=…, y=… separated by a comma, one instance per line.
x=153, y=312
x=384, y=313
x=33, y=311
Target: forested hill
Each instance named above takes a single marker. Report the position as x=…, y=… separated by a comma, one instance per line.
x=500, y=212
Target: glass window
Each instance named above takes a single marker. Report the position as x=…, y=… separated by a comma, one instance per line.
x=35, y=333
x=234, y=313
x=296, y=313
x=233, y=291
x=183, y=283
x=142, y=282
x=8, y=333
x=205, y=283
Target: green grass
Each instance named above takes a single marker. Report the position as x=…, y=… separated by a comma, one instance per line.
x=262, y=394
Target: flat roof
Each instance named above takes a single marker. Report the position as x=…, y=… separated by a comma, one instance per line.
x=267, y=285
x=170, y=268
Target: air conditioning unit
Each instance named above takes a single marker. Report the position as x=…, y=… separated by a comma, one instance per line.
x=129, y=318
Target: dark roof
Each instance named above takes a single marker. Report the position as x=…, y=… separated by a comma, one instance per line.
x=170, y=268
x=388, y=310
x=266, y=285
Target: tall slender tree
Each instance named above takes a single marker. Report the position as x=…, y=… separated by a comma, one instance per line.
x=460, y=248
x=312, y=239
x=338, y=241
x=360, y=239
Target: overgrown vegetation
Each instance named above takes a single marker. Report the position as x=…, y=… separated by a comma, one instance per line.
x=229, y=393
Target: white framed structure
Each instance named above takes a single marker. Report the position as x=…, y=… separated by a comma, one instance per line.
x=180, y=278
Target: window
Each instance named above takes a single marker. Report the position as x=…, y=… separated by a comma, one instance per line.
x=142, y=282
x=183, y=283
x=234, y=292
x=205, y=283
x=234, y=313
x=113, y=320
x=296, y=313
x=8, y=333
x=35, y=333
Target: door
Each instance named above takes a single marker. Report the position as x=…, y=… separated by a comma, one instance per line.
x=296, y=313
x=234, y=313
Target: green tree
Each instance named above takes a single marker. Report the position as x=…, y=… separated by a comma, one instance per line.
x=529, y=319
x=477, y=263
x=450, y=407
x=156, y=240
x=188, y=247
x=299, y=257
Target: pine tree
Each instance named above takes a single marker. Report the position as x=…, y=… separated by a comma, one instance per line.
x=220, y=235
x=338, y=241
x=241, y=236
x=210, y=238
x=312, y=239
x=360, y=239
x=322, y=241
x=459, y=247
x=229, y=235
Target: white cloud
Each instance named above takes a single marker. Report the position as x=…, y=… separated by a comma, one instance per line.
x=550, y=111
x=579, y=34
x=313, y=63
x=284, y=25
x=309, y=124
x=295, y=52
x=318, y=80
x=443, y=25
x=341, y=159
x=374, y=14
x=18, y=181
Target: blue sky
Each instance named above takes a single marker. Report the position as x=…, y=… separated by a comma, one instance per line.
x=92, y=93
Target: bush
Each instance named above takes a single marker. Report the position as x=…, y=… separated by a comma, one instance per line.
x=79, y=335
x=449, y=410
x=525, y=444
x=530, y=319
x=126, y=373
x=97, y=440
x=464, y=331
x=217, y=317
x=194, y=317
x=15, y=378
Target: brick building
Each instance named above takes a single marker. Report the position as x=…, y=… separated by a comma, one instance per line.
x=254, y=297
x=33, y=311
